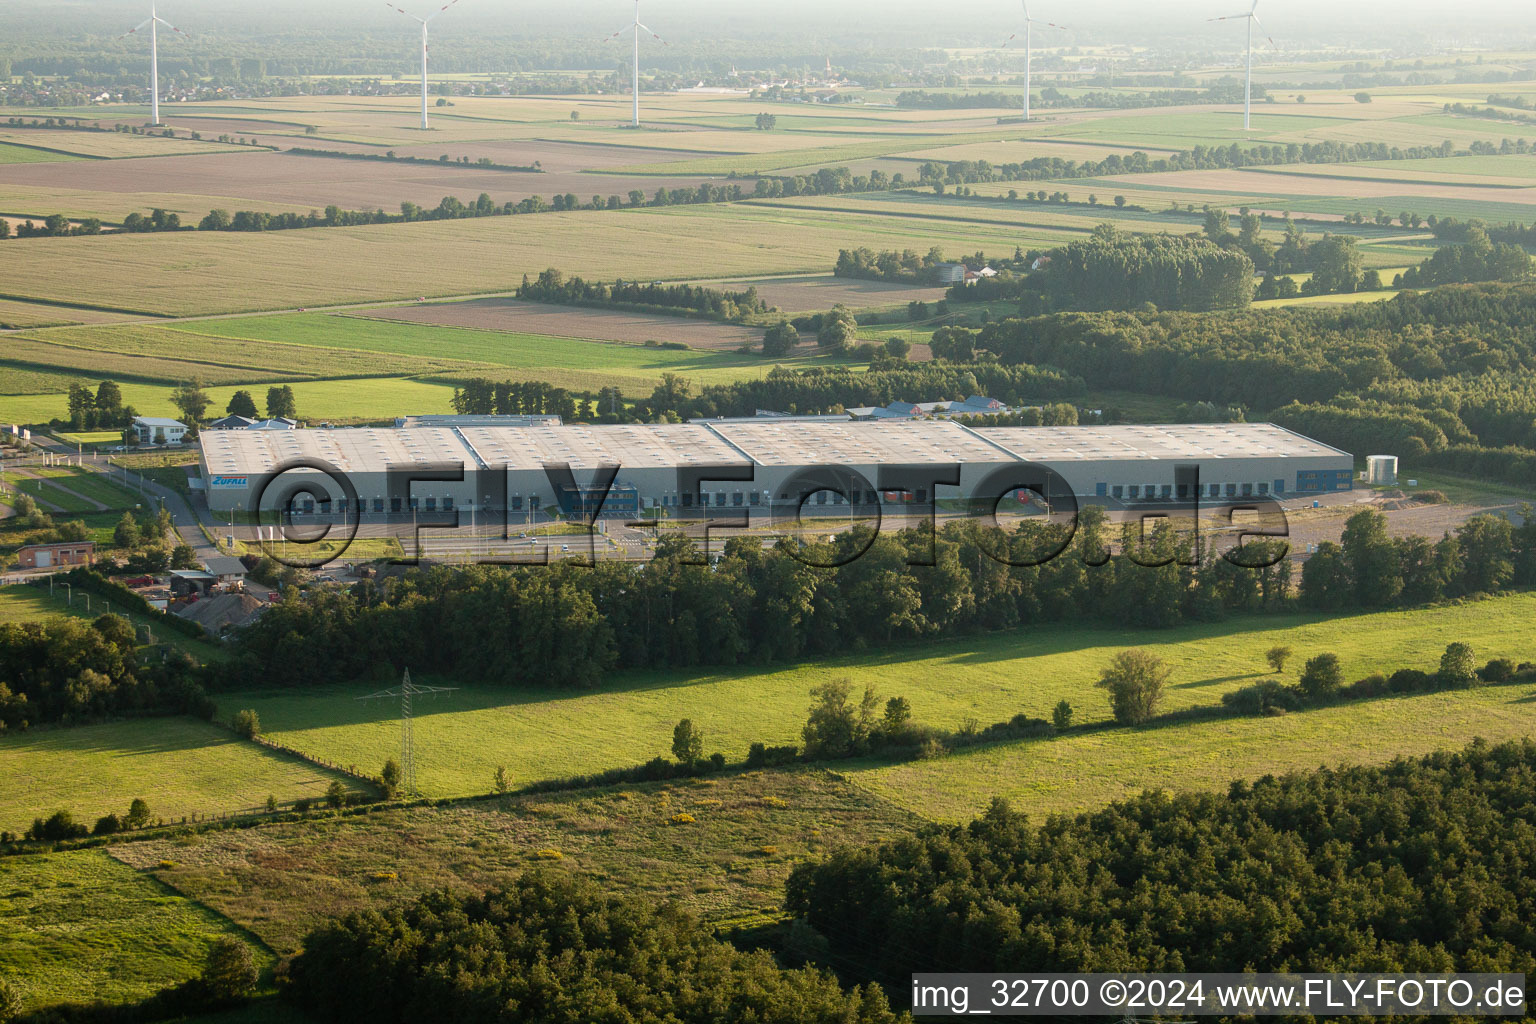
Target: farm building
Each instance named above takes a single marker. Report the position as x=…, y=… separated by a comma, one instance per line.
x=767, y=462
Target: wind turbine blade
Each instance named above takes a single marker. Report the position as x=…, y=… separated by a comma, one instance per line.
x=401, y=10
x=1026, y=10
x=1008, y=40
x=168, y=25
x=135, y=28
x=654, y=36
x=1062, y=28
x=440, y=10
x=1259, y=24
x=1254, y=7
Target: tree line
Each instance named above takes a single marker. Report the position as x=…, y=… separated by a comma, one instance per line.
x=102, y=409
x=1225, y=91
x=483, y=163
x=1413, y=866
x=714, y=303
x=59, y=225
x=824, y=389
x=567, y=625
x=480, y=396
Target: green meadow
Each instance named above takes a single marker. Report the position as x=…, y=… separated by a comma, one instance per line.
x=461, y=737
x=10, y=153
x=182, y=767
x=1081, y=771
x=81, y=927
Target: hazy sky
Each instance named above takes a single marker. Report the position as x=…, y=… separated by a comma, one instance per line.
x=1359, y=24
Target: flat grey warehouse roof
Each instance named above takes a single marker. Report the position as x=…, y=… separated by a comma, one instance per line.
x=767, y=443
x=800, y=442
x=1181, y=441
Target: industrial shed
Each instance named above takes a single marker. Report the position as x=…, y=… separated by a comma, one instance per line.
x=767, y=462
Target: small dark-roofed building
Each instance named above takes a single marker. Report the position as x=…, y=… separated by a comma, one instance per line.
x=230, y=423
x=228, y=569
x=190, y=582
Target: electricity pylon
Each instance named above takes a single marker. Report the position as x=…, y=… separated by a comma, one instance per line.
x=405, y=691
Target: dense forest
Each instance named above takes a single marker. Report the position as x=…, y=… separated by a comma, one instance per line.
x=1416, y=866
x=1114, y=271
x=1438, y=377
x=566, y=625
x=547, y=949
x=1476, y=257
x=69, y=670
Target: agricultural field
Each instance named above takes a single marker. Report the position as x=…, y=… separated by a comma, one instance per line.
x=200, y=272
x=57, y=145
x=532, y=318
x=16, y=315
x=12, y=154
x=728, y=864
x=182, y=767
x=82, y=927
x=1294, y=182
x=990, y=679
x=378, y=363
x=208, y=350
x=354, y=399
x=275, y=181
x=494, y=352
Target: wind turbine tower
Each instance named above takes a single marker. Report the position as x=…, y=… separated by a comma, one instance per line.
x=1029, y=25
x=1252, y=18
x=154, y=21
x=635, y=66
x=423, y=21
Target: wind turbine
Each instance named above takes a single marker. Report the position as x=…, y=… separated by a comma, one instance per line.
x=154, y=21
x=1252, y=18
x=635, y=68
x=1029, y=24
x=424, y=22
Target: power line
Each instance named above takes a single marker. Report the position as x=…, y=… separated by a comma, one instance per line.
x=405, y=691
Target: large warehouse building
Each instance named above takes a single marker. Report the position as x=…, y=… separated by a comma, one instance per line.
x=768, y=462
